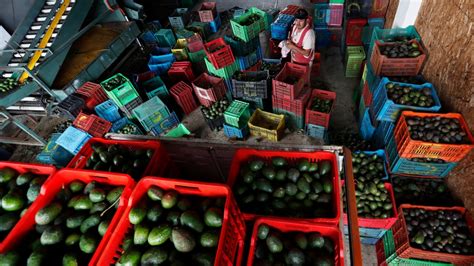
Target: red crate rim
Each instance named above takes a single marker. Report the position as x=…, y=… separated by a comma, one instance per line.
x=285, y=225
x=245, y=154
x=182, y=187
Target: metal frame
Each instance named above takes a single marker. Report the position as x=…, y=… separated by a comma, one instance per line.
x=213, y=146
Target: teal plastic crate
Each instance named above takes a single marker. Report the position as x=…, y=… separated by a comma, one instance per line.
x=225, y=72
x=123, y=94
x=292, y=120
x=234, y=132
x=237, y=114
x=197, y=56
x=155, y=87
x=389, y=35
x=165, y=38
x=397, y=261
x=178, y=132
x=316, y=131
x=151, y=113
x=72, y=139
x=46, y=155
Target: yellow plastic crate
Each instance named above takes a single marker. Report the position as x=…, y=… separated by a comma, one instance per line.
x=179, y=50
x=268, y=125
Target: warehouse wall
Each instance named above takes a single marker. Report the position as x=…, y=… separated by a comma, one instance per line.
x=446, y=28
x=264, y=4
x=12, y=12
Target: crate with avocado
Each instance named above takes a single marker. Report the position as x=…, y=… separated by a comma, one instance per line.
x=74, y=217
x=422, y=190
x=214, y=114
x=286, y=184
x=392, y=97
x=444, y=234
x=177, y=222
x=7, y=85
x=120, y=89
x=319, y=107
x=430, y=135
x=248, y=26
x=20, y=185
x=294, y=243
x=404, y=58
x=136, y=158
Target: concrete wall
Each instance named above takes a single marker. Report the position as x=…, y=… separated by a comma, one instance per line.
x=12, y=13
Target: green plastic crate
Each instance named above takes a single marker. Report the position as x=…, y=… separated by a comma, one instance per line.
x=412, y=262
x=336, y=1
x=388, y=244
x=123, y=94
x=178, y=132
x=237, y=114
x=225, y=72
x=355, y=56
x=266, y=18
x=155, y=87
x=183, y=34
x=247, y=33
x=165, y=38
x=197, y=56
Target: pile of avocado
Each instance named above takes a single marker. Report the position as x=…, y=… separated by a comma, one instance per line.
x=441, y=231
x=273, y=69
x=169, y=228
x=69, y=229
x=17, y=192
x=372, y=198
x=421, y=191
x=128, y=129
x=400, y=50
x=114, y=82
x=320, y=105
x=121, y=159
x=292, y=248
x=300, y=189
x=351, y=140
x=407, y=95
x=436, y=129
x=8, y=84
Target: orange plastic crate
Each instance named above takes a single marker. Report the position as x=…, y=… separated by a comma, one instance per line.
x=233, y=227
x=92, y=124
x=402, y=241
x=296, y=106
x=385, y=66
x=319, y=118
x=409, y=148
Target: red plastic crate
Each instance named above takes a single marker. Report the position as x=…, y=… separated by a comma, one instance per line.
x=380, y=251
x=222, y=57
x=233, y=226
x=241, y=156
x=275, y=51
x=409, y=148
x=354, y=31
x=183, y=95
x=385, y=66
x=158, y=165
x=254, y=68
x=379, y=223
x=92, y=94
x=402, y=242
x=367, y=94
x=297, y=106
x=290, y=91
x=379, y=8
x=21, y=168
x=290, y=10
x=315, y=117
x=181, y=71
x=286, y=226
x=316, y=69
x=59, y=181
x=92, y=124
x=207, y=12
x=195, y=43
x=336, y=14
x=214, y=91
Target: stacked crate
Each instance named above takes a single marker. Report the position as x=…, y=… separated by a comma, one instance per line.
x=290, y=94
x=152, y=114
x=236, y=118
x=327, y=22
x=220, y=60
x=209, y=89
x=252, y=86
x=182, y=93
x=124, y=95
x=196, y=53
x=317, y=123
x=181, y=71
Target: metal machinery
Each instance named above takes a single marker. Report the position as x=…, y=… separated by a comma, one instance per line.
x=40, y=48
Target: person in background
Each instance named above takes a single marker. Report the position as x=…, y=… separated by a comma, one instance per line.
x=301, y=41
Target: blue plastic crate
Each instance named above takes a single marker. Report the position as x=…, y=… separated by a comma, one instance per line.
x=148, y=37
x=405, y=166
x=119, y=124
x=108, y=110
x=46, y=155
x=229, y=86
x=61, y=157
x=72, y=139
x=371, y=233
x=381, y=154
x=316, y=131
x=366, y=128
x=250, y=59
x=167, y=123
x=386, y=110
x=160, y=64
x=382, y=133
x=215, y=24
x=233, y=132
x=281, y=26
x=322, y=13
x=323, y=38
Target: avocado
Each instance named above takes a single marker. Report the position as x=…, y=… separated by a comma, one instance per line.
x=154, y=256
x=301, y=240
x=155, y=193
x=70, y=259
x=9, y=258
x=103, y=226
x=137, y=214
x=295, y=257
x=7, y=174
x=97, y=195
x=82, y=202
x=72, y=239
x=23, y=179
x=140, y=236
x=90, y=222
x=114, y=194
x=7, y=221
x=183, y=240
x=325, y=168
x=52, y=235
x=263, y=231
x=204, y=259
x=184, y=204
x=213, y=217
x=315, y=240
x=264, y=185
x=75, y=220
x=279, y=161
x=159, y=235
x=209, y=239
x=12, y=201
x=280, y=175
x=256, y=165
x=303, y=165
x=98, y=207
x=173, y=217
x=35, y=258
x=268, y=172
x=274, y=244
x=293, y=174
x=192, y=220
x=291, y=189
x=303, y=186
x=130, y=257
x=48, y=213
x=88, y=244
x=154, y=213
x=170, y=198
x=33, y=192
